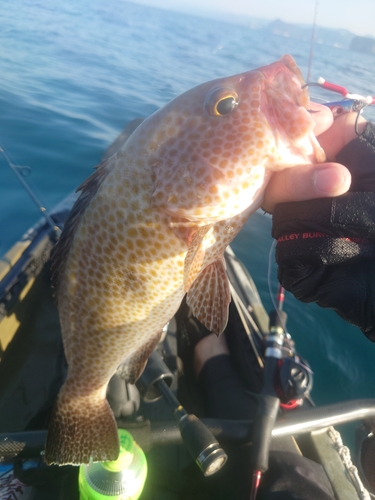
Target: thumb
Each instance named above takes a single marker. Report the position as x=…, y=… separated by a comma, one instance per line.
x=306, y=182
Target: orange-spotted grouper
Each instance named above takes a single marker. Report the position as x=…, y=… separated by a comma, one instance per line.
x=151, y=225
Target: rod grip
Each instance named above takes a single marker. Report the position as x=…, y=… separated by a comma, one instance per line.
x=264, y=423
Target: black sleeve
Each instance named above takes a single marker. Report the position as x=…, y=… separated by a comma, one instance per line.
x=326, y=247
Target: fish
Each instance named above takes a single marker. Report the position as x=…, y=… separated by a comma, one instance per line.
x=151, y=225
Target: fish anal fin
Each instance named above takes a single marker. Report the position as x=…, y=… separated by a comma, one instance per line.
x=195, y=255
x=81, y=428
x=209, y=297
x=132, y=368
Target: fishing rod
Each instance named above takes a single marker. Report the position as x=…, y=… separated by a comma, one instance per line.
x=312, y=41
x=16, y=169
x=269, y=401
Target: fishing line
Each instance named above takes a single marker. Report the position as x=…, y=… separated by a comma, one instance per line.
x=245, y=311
x=272, y=296
x=20, y=172
x=270, y=254
x=242, y=312
x=356, y=121
x=287, y=336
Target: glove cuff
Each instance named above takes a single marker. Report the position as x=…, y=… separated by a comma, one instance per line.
x=325, y=231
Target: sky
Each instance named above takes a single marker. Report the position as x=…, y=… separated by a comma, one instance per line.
x=356, y=16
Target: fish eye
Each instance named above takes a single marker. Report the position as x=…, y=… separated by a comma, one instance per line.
x=221, y=101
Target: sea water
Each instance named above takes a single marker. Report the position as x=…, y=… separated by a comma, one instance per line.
x=72, y=74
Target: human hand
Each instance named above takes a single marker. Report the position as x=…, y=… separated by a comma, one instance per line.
x=322, y=180
x=326, y=246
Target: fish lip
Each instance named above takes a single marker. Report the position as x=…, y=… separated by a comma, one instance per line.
x=272, y=70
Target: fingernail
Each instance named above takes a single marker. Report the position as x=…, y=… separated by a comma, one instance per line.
x=330, y=181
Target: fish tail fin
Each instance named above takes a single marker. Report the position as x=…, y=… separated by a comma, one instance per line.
x=81, y=428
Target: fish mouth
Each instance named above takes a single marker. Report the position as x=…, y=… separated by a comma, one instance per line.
x=284, y=76
x=285, y=103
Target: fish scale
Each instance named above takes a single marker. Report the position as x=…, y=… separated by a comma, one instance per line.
x=151, y=225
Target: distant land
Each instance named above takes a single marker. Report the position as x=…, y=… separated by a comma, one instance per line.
x=363, y=44
x=328, y=36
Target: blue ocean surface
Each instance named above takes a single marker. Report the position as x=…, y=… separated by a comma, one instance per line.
x=73, y=74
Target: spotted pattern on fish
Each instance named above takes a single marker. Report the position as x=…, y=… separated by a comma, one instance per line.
x=152, y=225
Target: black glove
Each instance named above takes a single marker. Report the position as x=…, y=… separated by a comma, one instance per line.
x=326, y=247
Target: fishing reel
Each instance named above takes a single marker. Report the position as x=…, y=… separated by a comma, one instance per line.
x=293, y=378
x=294, y=382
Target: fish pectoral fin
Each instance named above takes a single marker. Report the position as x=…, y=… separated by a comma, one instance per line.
x=209, y=297
x=195, y=255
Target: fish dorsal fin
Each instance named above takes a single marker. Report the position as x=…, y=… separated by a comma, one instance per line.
x=195, y=254
x=88, y=190
x=209, y=297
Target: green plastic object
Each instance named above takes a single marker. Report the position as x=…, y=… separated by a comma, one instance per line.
x=122, y=479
